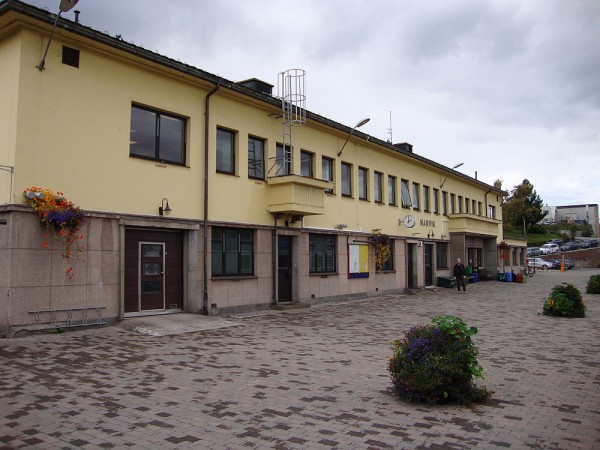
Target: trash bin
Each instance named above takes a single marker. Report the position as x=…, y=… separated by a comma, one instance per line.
x=519, y=278
x=475, y=277
x=468, y=271
x=508, y=277
x=447, y=282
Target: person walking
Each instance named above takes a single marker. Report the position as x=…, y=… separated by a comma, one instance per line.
x=460, y=275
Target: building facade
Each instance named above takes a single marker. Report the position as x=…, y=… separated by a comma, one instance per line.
x=253, y=222
x=579, y=214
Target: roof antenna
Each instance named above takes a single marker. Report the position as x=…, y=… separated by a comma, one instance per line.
x=65, y=5
x=391, y=139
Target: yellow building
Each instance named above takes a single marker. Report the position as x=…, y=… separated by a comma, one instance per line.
x=253, y=222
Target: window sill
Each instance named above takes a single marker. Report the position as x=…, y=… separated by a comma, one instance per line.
x=322, y=274
x=233, y=277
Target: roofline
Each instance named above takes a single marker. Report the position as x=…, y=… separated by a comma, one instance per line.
x=132, y=49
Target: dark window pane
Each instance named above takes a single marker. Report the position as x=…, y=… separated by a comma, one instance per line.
x=225, y=156
x=142, y=139
x=151, y=269
x=346, y=179
x=256, y=158
x=306, y=164
x=152, y=287
x=322, y=253
x=151, y=250
x=172, y=139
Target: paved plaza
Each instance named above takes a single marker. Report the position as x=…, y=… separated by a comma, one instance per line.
x=310, y=378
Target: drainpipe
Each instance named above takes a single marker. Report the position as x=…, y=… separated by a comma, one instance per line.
x=205, y=243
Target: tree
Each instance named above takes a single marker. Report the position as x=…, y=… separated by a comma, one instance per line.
x=523, y=207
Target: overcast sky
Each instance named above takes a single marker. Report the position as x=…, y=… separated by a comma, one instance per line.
x=509, y=87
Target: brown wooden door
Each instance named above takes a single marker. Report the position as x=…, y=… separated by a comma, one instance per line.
x=153, y=270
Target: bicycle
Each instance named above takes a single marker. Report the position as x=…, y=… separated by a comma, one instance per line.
x=527, y=271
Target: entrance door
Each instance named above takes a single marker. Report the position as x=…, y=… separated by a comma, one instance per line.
x=153, y=270
x=428, y=265
x=284, y=268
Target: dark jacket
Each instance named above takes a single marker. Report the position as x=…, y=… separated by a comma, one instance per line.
x=459, y=270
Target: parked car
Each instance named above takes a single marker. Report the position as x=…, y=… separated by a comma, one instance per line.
x=533, y=251
x=572, y=245
x=569, y=264
x=555, y=241
x=584, y=244
x=539, y=263
x=549, y=248
x=593, y=242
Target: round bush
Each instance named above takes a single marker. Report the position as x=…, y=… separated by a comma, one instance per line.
x=437, y=363
x=593, y=285
x=564, y=301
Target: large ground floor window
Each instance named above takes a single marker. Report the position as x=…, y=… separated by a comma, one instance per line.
x=232, y=251
x=441, y=255
x=321, y=253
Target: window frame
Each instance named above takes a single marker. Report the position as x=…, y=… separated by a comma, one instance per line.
x=388, y=266
x=441, y=255
x=219, y=164
x=363, y=183
x=460, y=204
x=328, y=244
x=254, y=139
x=280, y=156
x=436, y=201
x=416, y=196
x=426, y=199
x=405, y=192
x=305, y=154
x=377, y=187
x=331, y=163
x=245, y=250
x=157, y=154
x=348, y=181
x=444, y=203
x=452, y=203
x=392, y=190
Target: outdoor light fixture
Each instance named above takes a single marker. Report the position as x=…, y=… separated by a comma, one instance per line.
x=341, y=226
x=163, y=209
x=455, y=167
x=65, y=5
x=358, y=125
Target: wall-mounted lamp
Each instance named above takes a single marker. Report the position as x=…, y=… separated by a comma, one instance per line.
x=38, y=195
x=65, y=5
x=163, y=209
x=455, y=167
x=341, y=226
x=358, y=125
x=444, y=236
x=431, y=234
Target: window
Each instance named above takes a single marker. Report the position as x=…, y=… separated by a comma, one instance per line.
x=70, y=56
x=460, y=204
x=514, y=256
x=426, y=206
x=473, y=207
x=327, y=168
x=452, y=203
x=157, y=136
x=479, y=208
x=256, y=158
x=306, y=164
x=392, y=190
x=363, y=179
x=467, y=201
x=389, y=264
x=441, y=255
x=444, y=203
x=283, y=160
x=491, y=212
x=416, y=196
x=225, y=151
x=378, y=187
x=321, y=253
x=232, y=251
x=406, y=201
x=347, y=180
x=436, y=201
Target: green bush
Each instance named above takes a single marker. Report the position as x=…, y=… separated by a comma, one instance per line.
x=593, y=285
x=437, y=363
x=564, y=301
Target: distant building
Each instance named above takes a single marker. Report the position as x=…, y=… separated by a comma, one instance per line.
x=550, y=215
x=579, y=214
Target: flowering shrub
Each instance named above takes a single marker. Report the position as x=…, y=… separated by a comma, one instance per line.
x=60, y=218
x=436, y=364
x=564, y=301
x=381, y=244
x=593, y=285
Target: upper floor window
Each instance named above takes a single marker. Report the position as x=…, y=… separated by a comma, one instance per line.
x=157, y=136
x=225, y=151
x=467, y=202
x=491, y=212
x=392, y=190
x=256, y=158
x=416, y=196
x=327, y=172
x=444, y=203
x=232, y=251
x=460, y=204
x=473, y=207
x=426, y=206
x=406, y=201
x=283, y=160
x=363, y=179
x=347, y=180
x=306, y=164
x=479, y=208
x=378, y=187
x=452, y=203
x=436, y=201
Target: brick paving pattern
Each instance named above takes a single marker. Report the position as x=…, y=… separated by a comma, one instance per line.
x=311, y=378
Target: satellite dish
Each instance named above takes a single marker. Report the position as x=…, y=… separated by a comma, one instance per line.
x=67, y=5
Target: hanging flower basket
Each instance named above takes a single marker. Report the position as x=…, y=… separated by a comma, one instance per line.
x=381, y=243
x=60, y=218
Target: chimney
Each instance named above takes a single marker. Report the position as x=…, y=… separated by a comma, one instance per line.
x=258, y=85
x=77, y=16
x=405, y=146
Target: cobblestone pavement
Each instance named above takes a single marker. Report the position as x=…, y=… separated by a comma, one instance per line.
x=312, y=378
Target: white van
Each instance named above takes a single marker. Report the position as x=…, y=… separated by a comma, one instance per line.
x=549, y=248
